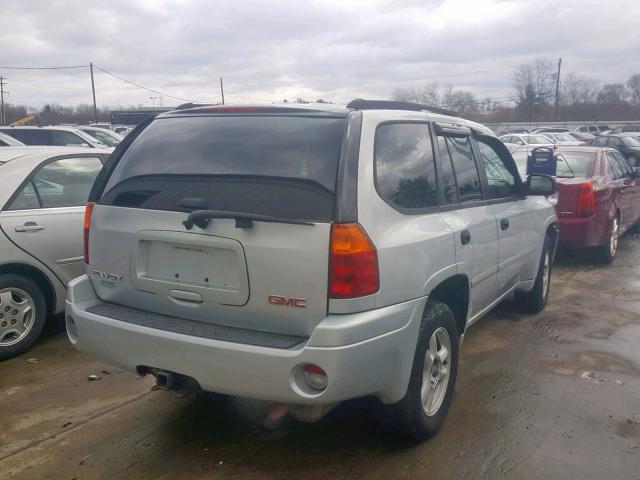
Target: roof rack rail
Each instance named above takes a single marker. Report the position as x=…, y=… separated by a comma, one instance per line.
x=184, y=106
x=362, y=104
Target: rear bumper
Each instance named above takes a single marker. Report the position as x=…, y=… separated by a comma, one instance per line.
x=379, y=364
x=582, y=231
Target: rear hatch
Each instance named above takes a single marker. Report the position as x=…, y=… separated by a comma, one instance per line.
x=237, y=271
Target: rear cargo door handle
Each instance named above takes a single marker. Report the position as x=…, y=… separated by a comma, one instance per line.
x=29, y=227
x=504, y=224
x=465, y=237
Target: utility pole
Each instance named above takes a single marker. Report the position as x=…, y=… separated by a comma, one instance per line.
x=558, y=88
x=2, y=114
x=153, y=102
x=221, y=91
x=93, y=90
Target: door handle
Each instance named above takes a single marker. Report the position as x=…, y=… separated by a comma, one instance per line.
x=29, y=227
x=504, y=224
x=465, y=237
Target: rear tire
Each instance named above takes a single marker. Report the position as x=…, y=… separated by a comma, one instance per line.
x=425, y=405
x=22, y=314
x=535, y=300
x=609, y=250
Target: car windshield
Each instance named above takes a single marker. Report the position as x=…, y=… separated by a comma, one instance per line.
x=631, y=141
x=105, y=138
x=575, y=164
x=537, y=139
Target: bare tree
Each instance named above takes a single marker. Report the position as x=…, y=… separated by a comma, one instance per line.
x=612, y=93
x=578, y=90
x=535, y=81
x=633, y=84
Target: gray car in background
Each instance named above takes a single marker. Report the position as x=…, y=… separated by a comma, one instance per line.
x=42, y=204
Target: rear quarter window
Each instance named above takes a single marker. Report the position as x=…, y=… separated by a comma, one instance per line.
x=405, y=168
x=281, y=166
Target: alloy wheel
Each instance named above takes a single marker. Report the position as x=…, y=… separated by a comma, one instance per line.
x=17, y=314
x=435, y=372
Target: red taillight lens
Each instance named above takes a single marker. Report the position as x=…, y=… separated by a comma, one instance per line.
x=85, y=231
x=586, y=200
x=353, y=262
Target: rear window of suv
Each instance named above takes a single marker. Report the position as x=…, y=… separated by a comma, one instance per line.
x=282, y=166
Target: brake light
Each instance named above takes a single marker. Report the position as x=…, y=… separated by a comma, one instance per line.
x=586, y=200
x=353, y=262
x=87, y=224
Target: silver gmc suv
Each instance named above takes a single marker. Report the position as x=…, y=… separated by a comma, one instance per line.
x=308, y=254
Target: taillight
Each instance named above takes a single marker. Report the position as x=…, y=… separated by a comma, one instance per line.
x=85, y=232
x=586, y=200
x=353, y=262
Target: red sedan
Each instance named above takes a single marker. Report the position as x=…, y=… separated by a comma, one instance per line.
x=598, y=197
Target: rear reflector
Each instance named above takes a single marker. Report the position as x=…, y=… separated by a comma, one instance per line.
x=353, y=262
x=586, y=200
x=85, y=230
x=315, y=377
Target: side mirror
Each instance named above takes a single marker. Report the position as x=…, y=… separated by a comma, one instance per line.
x=541, y=185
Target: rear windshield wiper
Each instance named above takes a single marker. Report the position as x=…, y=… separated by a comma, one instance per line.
x=201, y=219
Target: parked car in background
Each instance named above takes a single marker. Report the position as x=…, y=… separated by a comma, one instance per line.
x=42, y=201
x=592, y=129
x=256, y=271
x=107, y=137
x=563, y=138
x=122, y=130
x=582, y=137
x=628, y=145
x=534, y=140
x=598, y=198
x=626, y=129
x=9, y=141
x=52, y=136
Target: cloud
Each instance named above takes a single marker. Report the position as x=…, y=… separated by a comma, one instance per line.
x=338, y=50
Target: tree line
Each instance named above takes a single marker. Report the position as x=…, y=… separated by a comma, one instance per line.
x=533, y=97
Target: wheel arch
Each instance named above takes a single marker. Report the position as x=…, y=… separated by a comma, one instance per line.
x=37, y=276
x=455, y=293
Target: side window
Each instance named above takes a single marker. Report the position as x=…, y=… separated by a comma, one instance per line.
x=614, y=142
x=446, y=173
x=614, y=166
x=32, y=137
x=600, y=141
x=26, y=199
x=622, y=165
x=66, y=182
x=501, y=182
x=405, y=168
x=464, y=168
x=60, y=137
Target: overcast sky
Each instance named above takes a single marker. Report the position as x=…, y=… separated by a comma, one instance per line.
x=335, y=49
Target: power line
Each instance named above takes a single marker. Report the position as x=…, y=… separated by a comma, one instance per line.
x=142, y=86
x=43, y=68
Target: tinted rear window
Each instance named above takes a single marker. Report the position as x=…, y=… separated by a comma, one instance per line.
x=270, y=165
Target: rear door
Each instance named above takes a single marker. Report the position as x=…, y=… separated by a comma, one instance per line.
x=470, y=217
x=44, y=218
x=255, y=275
x=628, y=198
